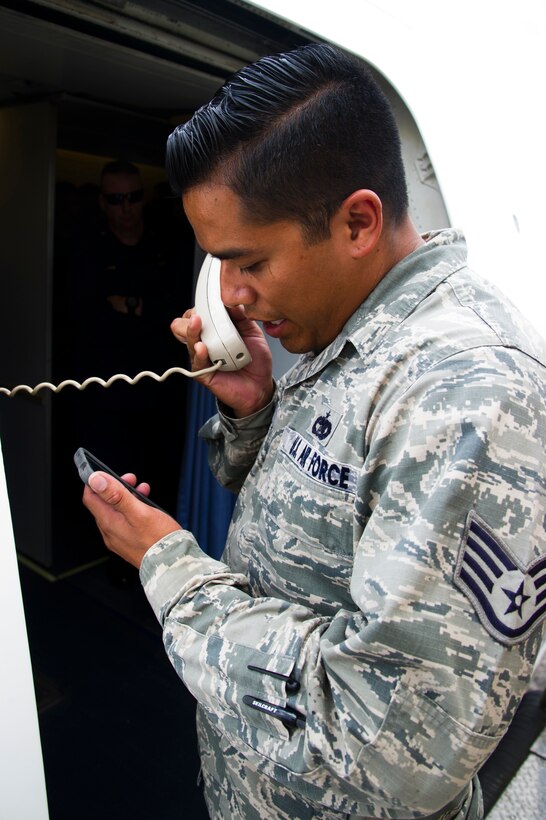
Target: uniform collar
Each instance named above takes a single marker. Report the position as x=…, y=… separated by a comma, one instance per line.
x=400, y=291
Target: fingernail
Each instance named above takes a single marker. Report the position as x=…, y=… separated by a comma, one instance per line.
x=97, y=482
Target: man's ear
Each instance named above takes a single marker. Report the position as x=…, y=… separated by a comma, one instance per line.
x=362, y=213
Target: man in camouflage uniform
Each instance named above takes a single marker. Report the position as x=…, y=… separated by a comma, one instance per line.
x=366, y=640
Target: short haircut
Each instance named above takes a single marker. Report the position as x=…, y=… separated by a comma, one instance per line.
x=119, y=166
x=293, y=135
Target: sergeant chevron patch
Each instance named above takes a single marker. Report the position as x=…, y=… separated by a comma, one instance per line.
x=510, y=599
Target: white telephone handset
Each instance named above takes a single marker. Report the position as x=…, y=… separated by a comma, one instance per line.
x=222, y=339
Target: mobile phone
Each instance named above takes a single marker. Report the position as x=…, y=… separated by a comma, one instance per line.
x=87, y=463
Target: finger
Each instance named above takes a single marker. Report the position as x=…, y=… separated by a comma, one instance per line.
x=200, y=359
x=188, y=331
x=111, y=491
x=179, y=329
x=144, y=488
x=198, y=351
x=193, y=330
x=180, y=324
x=131, y=479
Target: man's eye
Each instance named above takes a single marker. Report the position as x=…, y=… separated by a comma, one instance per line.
x=250, y=269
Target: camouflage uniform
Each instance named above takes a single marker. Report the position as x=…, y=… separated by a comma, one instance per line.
x=366, y=641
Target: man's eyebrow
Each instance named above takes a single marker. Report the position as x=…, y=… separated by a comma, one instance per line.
x=231, y=253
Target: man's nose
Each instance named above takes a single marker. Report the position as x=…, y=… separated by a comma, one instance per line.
x=234, y=287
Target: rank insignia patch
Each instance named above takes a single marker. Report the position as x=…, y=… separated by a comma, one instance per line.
x=324, y=423
x=510, y=599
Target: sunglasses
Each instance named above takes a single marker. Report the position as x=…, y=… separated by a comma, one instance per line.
x=119, y=199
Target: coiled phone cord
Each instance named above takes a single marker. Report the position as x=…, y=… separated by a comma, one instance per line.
x=25, y=388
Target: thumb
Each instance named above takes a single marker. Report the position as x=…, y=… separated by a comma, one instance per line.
x=110, y=490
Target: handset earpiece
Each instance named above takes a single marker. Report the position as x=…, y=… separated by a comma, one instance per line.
x=220, y=335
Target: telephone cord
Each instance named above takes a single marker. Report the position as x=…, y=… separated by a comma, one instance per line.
x=106, y=383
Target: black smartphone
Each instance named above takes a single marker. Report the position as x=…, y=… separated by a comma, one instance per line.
x=87, y=463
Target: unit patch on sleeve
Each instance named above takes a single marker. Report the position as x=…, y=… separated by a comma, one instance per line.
x=510, y=599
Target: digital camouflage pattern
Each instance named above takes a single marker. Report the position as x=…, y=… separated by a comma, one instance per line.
x=383, y=571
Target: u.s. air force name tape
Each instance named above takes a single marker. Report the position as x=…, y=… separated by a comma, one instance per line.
x=319, y=466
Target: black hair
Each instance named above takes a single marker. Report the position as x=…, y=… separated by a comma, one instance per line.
x=293, y=135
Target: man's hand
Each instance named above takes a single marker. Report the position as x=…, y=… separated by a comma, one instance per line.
x=128, y=526
x=245, y=391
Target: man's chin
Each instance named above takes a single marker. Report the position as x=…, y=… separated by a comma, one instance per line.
x=296, y=346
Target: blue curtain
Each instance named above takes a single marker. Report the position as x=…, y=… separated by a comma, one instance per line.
x=203, y=507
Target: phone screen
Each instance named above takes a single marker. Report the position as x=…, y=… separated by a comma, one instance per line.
x=87, y=464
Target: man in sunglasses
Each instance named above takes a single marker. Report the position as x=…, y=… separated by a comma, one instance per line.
x=122, y=200
x=126, y=284
x=123, y=281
